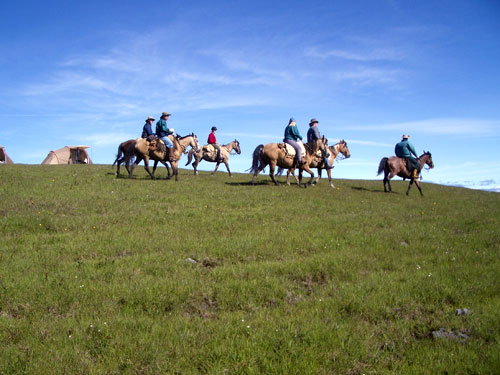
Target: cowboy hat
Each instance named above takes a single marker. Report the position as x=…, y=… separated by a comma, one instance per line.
x=313, y=121
x=150, y=118
x=406, y=136
x=165, y=114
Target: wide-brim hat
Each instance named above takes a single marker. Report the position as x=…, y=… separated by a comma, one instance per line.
x=150, y=118
x=406, y=136
x=214, y=128
x=313, y=121
x=165, y=114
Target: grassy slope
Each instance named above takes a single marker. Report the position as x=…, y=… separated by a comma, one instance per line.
x=94, y=277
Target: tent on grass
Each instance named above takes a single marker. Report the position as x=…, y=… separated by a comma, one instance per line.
x=4, y=158
x=68, y=155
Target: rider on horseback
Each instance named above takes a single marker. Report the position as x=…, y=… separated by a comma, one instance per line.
x=312, y=138
x=291, y=137
x=405, y=149
x=147, y=130
x=213, y=141
x=162, y=131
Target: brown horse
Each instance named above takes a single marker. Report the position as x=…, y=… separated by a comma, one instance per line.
x=211, y=156
x=395, y=166
x=121, y=156
x=273, y=154
x=319, y=163
x=143, y=151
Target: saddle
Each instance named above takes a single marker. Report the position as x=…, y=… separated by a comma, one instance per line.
x=290, y=151
x=211, y=151
x=209, y=148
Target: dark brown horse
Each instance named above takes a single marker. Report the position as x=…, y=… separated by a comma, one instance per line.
x=274, y=155
x=395, y=166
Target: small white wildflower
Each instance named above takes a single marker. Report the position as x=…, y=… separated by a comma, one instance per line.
x=105, y=323
x=76, y=277
x=248, y=326
x=69, y=336
x=453, y=259
x=91, y=326
x=81, y=286
x=418, y=267
x=430, y=274
x=242, y=320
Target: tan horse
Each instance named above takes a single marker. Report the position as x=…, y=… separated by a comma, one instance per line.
x=143, y=151
x=319, y=163
x=395, y=166
x=211, y=156
x=274, y=155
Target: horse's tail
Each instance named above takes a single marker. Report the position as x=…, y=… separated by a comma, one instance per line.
x=256, y=161
x=382, y=165
x=190, y=156
x=119, y=155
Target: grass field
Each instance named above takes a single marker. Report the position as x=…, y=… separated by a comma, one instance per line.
x=210, y=275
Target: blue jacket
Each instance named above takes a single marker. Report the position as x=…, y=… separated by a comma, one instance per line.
x=292, y=132
x=147, y=130
x=405, y=149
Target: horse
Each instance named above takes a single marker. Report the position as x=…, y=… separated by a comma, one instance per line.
x=395, y=166
x=319, y=163
x=143, y=150
x=274, y=154
x=211, y=156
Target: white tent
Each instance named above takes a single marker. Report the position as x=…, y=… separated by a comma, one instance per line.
x=4, y=158
x=68, y=155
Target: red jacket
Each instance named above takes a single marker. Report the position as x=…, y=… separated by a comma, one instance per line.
x=211, y=138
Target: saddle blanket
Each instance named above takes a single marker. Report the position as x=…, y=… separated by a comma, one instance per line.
x=291, y=151
x=210, y=149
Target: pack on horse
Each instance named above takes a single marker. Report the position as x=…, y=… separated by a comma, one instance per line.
x=319, y=163
x=283, y=155
x=395, y=166
x=157, y=151
x=209, y=153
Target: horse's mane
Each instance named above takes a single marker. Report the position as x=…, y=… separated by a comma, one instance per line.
x=189, y=135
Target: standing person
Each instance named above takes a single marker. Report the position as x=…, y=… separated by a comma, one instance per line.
x=312, y=136
x=147, y=130
x=291, y=137
x=163, y=131
x=405, y=149
x=213, y=141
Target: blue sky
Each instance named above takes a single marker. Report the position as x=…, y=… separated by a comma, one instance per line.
x=90, y=72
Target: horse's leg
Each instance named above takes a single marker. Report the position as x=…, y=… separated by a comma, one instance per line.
x=146, y=167
x=227, y=167
x=168, y=169
x=262, y=166
x=195, y=164
x=419, y=188
x=216, y=167
x=288, y=172
x=272, y=167
x=155, y=164
x=409, y=186
x=175, y=169
x=329, y=173
x=138, y=159
x=308, y=170
x=319, y=176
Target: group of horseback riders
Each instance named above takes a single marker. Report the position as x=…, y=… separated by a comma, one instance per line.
x=163, y=132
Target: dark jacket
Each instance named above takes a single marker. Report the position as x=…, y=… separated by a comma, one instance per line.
x=147, y=130
x=162, y=129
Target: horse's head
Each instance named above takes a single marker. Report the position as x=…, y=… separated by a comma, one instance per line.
x=343, y=149
x=427, y=158
x=236, y=146
x=195, y=145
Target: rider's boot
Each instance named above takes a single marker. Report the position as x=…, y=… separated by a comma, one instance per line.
x=415, y=173
x=171, y=154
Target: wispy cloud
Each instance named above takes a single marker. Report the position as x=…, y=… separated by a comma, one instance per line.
x=439, y=126
x=368, y=54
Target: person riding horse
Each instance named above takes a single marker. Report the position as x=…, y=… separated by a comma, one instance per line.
x=292, y=136
x=312, y=137
x=147, y=130
x=213, y=141
x=405, y=150
x=163, y=131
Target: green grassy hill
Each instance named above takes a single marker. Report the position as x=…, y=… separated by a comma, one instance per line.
x=210, y=275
